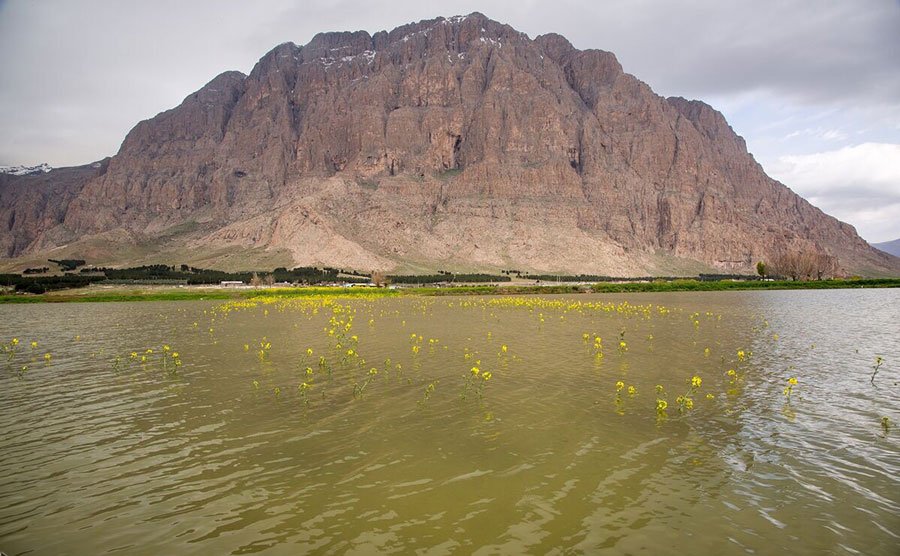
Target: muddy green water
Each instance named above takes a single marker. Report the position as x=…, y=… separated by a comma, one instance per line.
x=101, y=452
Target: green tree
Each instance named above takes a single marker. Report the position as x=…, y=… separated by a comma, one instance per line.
x=761, y=268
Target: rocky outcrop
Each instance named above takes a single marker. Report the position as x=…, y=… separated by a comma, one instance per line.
x=448, y=143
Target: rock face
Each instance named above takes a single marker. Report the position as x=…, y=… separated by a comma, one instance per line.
x=454, y=143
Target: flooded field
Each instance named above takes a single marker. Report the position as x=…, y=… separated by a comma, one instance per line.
x=717, y=423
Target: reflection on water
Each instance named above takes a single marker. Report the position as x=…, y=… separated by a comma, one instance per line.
x=101, y=452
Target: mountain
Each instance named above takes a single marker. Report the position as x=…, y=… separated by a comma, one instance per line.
x=25, y=170
x=450, y=144
x=892, y=247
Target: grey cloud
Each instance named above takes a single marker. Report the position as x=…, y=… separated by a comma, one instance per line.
x=94, y=68
x=811, y=51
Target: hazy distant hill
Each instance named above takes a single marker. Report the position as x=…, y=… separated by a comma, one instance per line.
x=892, y=247
x=455, y=143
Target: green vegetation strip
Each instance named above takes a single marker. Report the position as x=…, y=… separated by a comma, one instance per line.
x=696, y=285
x=631, y=287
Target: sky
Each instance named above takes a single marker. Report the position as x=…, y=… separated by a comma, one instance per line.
x=812, y=86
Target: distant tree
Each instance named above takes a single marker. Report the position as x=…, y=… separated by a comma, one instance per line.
x=761, y=268
x=255, y=281
x=826, y=266
x=379, y=278
x=269, y=280
x=808, y=265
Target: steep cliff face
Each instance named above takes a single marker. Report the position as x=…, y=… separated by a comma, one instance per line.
x=33, y=204
x=448, y=143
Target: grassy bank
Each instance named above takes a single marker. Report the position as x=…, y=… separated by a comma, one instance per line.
x=696, y=285
x=125, y=293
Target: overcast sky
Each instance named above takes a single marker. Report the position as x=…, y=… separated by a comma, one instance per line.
x=813, y=86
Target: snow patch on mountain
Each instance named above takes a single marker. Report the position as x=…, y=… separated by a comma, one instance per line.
x=26, y=170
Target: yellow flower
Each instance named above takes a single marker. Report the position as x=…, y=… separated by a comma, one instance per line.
x=689, y=403
x=792, y=381
x=304, y=386
x=246, y=347
x=350, y=353
x=373, y=371
x=503, y=348
x=174, y=355
x=415, y=349
x=475, y=371
x=309, y=351
x=710, y=397
x=706, y=352
x=15, y=341
x=731, y=372
x=632, y=390
x=486, y=375
x=166, y=348
x=619, y=385
x=33, y=345
x=696, y=381
x=256, y=384
x=47, y=356
x=661, y=405
x=134, y=355
x=741, y=355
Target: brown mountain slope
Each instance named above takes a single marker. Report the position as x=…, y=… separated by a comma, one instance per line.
x=445, y=144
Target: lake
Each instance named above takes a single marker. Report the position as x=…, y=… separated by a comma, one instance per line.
x=448, y=425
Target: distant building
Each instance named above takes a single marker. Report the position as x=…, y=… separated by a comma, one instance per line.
x=231, y=283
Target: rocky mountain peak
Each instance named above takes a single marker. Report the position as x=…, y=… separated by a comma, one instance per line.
x=450, y=143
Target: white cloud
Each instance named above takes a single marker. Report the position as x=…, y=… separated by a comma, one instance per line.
x=859, y=184
x=817, y=133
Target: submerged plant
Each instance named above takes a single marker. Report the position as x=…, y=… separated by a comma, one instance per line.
x=11, y=348
x=304, y=389
x=359, y=389
x=686, y=401
x=789, y=389
x=875, y=368
x=429, y=390
x=661, y=403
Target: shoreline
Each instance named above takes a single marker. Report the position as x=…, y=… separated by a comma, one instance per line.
x=95, y=294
